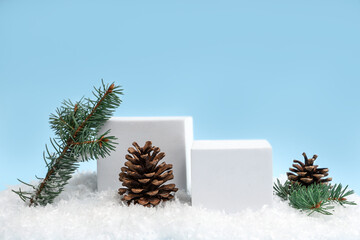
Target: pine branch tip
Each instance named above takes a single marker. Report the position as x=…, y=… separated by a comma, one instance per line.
x=75, y=125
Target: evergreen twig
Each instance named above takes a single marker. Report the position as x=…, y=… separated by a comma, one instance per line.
x=76, y=127
x=338, y=195
x=285, y=190
x=313, y=198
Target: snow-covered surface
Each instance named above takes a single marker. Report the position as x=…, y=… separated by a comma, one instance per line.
x=83, y=213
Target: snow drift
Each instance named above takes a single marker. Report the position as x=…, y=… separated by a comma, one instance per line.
x=80, y=212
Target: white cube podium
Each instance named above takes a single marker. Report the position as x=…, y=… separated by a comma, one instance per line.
x=231, y=175
x=173, y=135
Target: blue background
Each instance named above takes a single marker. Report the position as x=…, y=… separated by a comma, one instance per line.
x=285, y=71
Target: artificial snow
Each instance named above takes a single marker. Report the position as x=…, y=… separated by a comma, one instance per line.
x=81, y=212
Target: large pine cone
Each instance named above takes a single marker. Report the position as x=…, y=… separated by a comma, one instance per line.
x=143, y=178
x=307, y=173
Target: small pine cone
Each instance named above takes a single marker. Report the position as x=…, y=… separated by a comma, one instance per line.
x=143, y=178
x=307, y=173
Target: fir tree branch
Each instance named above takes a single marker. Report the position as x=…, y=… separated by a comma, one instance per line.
x=285, y=190
x=338, y=195
x=76, y=127
x=313, y=198
x=70, y=142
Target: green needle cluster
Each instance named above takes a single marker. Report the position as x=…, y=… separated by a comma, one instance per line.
x=76, y=126
x=313, y=198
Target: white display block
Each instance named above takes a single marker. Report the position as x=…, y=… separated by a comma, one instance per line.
x=173, y=135
x=231, y=175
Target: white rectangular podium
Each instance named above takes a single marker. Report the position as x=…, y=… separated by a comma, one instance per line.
x=173, y=135
x=231, y=175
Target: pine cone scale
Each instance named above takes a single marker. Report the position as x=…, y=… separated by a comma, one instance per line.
x=157, y=182
x=306, y=180
x=323, y=170
x=146, y=147
x=154, y=201
x=134, y=174
x=318, y=175
x=143, y=201
x=132, y=151
x=122, y=175
x=129, y=183
x=327, y=179
x=144, y=180
x=299, y=162
x=132, y=159
x=166, y=174
x=153, y=193
x=163, y=168
x=159, y=156
x=301, y=174
x=131, y=196
x=168, y=187
x=292, y=177
x=164, y=194
x=137, y=190
x=136, y=146
x=122, y=191
x=136, y=168
x=298, y=167
x=149, y=175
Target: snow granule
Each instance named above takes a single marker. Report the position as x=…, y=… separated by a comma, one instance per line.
x=81, y=212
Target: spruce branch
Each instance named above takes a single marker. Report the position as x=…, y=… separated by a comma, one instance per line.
x=313, y=198
x=282, y=190
x=338, y=195
x=285, y=190
x=76, y=127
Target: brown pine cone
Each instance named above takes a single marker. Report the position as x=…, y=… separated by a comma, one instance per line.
x=143, y=178
x=307, y=173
